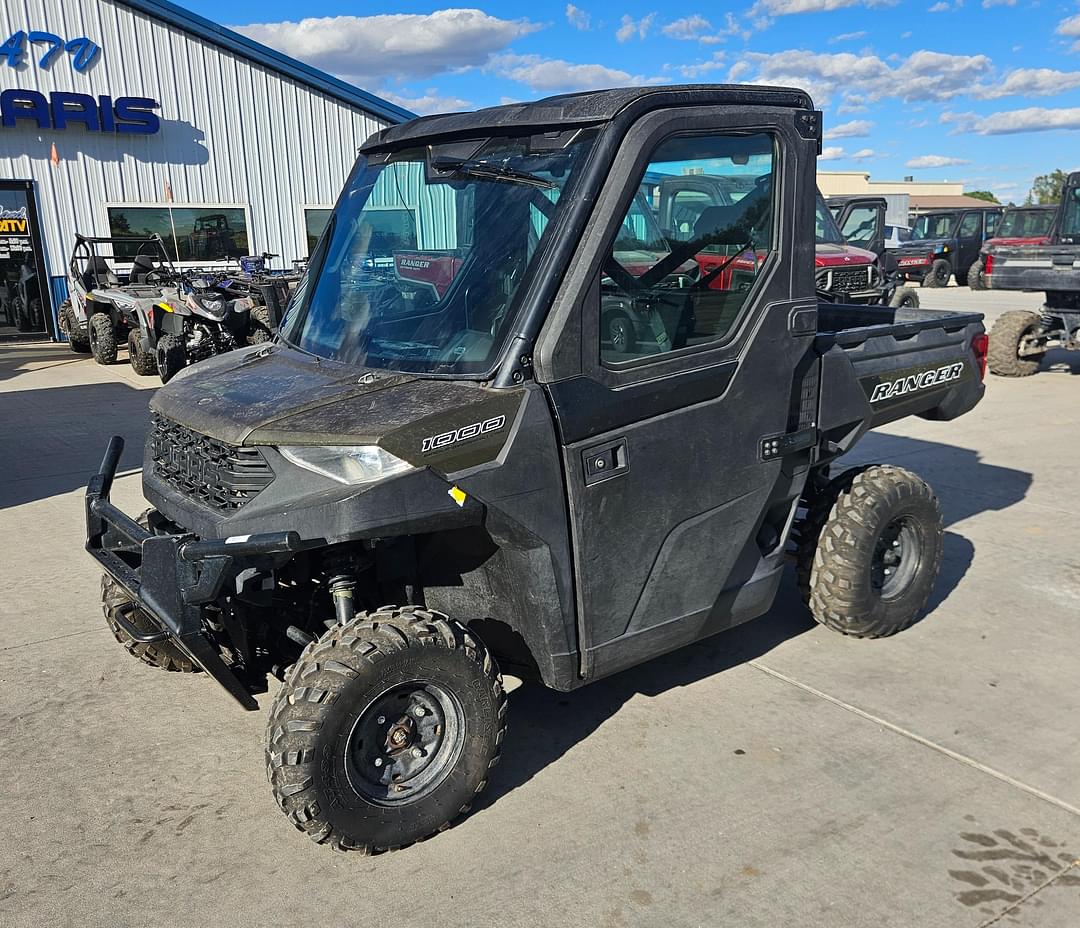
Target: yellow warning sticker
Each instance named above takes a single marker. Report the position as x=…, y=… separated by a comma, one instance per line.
x=457, y=495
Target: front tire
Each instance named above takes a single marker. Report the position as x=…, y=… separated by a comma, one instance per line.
x=939, y=274
x=976, y=278
x=905, y=297
x=869, y=551
x=102, y=339
x=260, y=329
x=620, y=332
x=161, y=654
x=171, y=357
x=142, y=362
x=1003, y=354
x=385, y=730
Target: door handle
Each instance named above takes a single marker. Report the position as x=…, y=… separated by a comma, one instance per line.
x=602, y=462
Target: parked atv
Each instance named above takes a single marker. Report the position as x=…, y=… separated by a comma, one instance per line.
x=461, y=441
x=209, y=316
x=945, y=243
x=1020, y=339
x=1020, y=225
x=107, y=307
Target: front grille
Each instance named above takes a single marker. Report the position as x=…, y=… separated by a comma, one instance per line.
x=221, y=476
x=846, y=279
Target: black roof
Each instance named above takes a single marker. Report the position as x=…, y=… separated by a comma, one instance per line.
x=839, y=199
x=581, y=109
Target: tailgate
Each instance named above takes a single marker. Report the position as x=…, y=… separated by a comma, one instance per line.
x=881, y=373
x=1034, y=267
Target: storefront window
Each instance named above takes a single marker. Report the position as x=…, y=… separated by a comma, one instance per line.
x=24, y=299
x=315, y=220
x=190, y=233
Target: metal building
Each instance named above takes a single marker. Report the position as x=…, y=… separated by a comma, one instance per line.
x=122, y=116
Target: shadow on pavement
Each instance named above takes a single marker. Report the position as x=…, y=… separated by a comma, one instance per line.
x=1060, y=361
x=546, y=724
x=54, y=438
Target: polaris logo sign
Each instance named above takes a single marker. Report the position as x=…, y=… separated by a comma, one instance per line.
x=913, y=381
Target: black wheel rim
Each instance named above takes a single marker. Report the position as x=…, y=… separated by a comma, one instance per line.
x=620, y=337
x=405, y=743
x=897, y=558
x=942, y=274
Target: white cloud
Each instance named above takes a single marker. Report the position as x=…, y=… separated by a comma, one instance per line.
x=429, y=102
x=631, y=27
x=831, y=153
x=691, y=71
x=939, y=8
x=1009, y=122
x=989, y=3
x=553, y=75
x=697, y=28
x=856, y=129
x=863, y=154
x=1070, y=27
x=934, y=161
x=847, y=37
x=1030, y=82
x=368, y=48
x=923, y=75
x=791, y=7
x=578, y=18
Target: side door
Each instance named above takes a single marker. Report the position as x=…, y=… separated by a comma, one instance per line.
x=862, y=223
x=681, y=482
x=969, y=237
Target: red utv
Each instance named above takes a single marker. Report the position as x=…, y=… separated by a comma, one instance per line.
x=1021, y=225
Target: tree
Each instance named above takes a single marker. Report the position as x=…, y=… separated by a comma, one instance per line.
x=982, y=195
x=1046, y=188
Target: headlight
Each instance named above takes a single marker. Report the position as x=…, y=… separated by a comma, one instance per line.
x=351, y=464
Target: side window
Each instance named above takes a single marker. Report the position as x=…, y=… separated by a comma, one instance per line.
x=971, y=225
x=991, y=223
x=860, y=225
x=666, y=290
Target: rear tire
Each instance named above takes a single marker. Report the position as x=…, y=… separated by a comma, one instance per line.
x=869, y=551
x=69, y=325
x=161, y=654
x=142, y=362
x=906, y=297
x=404, y=677
x=1006, y=334
x=171, y=357
x=102, y=338
x=976, y=278
x=938, y=275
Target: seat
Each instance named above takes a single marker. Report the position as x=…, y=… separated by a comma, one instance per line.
x=99, y=274
x=141, y=269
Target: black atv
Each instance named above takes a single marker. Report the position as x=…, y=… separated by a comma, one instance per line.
x=945, y=243
x=454, y=434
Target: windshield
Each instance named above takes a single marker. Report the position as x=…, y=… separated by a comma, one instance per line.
x=825, y=230
x=1025, y=223
x=427, y=249
x=934, y=225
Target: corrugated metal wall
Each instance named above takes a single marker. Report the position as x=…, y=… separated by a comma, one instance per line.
x=232, y=132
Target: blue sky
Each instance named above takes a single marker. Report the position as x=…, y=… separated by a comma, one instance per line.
x=984, y=91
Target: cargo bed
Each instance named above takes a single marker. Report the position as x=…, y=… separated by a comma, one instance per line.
x=881, y=363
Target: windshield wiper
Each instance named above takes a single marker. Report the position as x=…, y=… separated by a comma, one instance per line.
x=487, y=169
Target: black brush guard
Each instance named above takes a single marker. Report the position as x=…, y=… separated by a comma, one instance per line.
x=176, y=576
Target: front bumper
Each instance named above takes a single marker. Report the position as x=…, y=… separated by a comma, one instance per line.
x=171, y=576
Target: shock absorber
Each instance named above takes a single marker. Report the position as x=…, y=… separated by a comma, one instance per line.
x=342, y=587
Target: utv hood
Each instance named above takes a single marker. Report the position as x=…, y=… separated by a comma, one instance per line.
x=279, y=396
x=827, y=254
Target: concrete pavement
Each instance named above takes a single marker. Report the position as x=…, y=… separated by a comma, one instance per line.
x=776, y=775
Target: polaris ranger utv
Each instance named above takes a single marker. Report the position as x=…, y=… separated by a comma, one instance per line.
x=945, y=243
x=1019, y=225
x=1020, y=338
x=454, y=434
